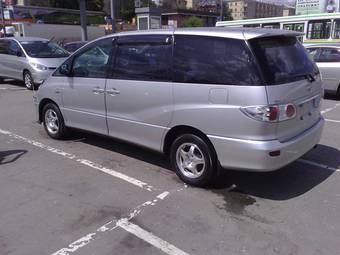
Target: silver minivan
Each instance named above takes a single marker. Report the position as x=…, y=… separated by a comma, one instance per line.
x=29, y=59
x=246, y=99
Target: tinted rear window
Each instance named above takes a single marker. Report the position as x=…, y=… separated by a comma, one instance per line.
x=282, y=59
x=211, y=60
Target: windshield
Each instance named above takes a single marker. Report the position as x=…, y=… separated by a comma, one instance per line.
x=282, y=59
x=44, y=49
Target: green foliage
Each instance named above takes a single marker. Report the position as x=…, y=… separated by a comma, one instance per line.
x=193, y=22
x=93, y=5
x=126, y=9
x=227, y=14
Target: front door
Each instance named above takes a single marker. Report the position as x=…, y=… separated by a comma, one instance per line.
x=139, y=93
x=83, y=93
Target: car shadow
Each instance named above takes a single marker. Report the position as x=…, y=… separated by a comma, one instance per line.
x=331, y=97
x=7, y=157
x=124, y=148
x=16, y=83
x=283, y=184
x=286, y=183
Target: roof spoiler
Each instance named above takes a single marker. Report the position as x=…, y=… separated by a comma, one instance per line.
x=251, y=33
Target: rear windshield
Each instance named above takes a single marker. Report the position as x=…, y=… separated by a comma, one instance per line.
x=282, y=59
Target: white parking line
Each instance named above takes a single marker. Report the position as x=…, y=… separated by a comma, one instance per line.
x=150, y=238
x=86, y=162
x=335, y=121
x=330, y=109
x=312, y=163
x=125, y=224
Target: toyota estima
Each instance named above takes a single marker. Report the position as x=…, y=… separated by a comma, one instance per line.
x=30, y=59
x=246, y=99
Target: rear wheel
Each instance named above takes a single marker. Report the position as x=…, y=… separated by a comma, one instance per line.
x=1, y=80
x=53, y=121
x=193, y=160
x=28, y=80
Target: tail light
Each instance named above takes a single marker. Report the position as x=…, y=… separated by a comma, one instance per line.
x=270, y=113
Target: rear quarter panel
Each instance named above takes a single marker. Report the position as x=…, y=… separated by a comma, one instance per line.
x=215, y=110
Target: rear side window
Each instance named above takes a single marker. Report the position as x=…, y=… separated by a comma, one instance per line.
x=329, y=55
x=211, y=60
x=313, y=53
x=282, y=59
x=143, y=58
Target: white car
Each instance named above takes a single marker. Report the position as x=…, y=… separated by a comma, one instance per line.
x=327, y=57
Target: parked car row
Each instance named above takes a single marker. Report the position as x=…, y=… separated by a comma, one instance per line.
x=246, y=99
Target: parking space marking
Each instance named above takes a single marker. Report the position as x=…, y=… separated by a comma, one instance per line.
x=330, y=109
x=85, y=162
x=124, y=223
x=312, y=163
x=150, y=238
x=335, y=121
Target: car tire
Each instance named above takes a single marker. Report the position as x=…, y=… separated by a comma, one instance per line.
x=1, y=80
x=53, y=121
x=338, y=93
x=193, y=159
x=28, y=81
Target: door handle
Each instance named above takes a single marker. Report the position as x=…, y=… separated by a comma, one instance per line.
x=97, y=90
x=113, y=92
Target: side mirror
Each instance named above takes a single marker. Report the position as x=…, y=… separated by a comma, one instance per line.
x=64, y=69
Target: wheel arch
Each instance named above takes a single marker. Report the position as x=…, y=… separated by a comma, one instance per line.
x=42, y=103
x=176, y=131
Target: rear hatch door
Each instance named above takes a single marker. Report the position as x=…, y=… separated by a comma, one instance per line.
x=291, y=76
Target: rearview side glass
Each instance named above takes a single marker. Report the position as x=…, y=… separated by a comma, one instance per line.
x=143, y=58
x=93, y=62
x=329, y=55
x=211, y=60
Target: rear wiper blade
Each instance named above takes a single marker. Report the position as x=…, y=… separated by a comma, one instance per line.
x=308, y=76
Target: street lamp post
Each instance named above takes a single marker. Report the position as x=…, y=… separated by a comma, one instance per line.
x=221, y=10
x=113, y=16
x=2, y=17
x=83, y=22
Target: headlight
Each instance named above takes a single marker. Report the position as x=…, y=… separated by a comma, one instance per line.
x=38, y=66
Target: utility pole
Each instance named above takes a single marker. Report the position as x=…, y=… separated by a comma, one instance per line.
x=113, y=15
x=2, y=17
x=83, y=22
x=221, y=10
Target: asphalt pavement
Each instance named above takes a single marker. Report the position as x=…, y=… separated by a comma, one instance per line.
x=93, y=195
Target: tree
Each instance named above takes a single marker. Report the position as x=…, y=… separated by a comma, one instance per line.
x=193, y=22
x=227, y=14
x=93, y=5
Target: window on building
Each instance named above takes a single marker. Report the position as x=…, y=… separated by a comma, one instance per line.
x=319, y=29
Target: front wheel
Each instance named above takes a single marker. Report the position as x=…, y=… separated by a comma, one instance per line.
x=193, y=160
x=28, y=80
x=53, y=121
x=338, y=93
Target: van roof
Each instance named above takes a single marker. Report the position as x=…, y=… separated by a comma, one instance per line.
x=228, y=32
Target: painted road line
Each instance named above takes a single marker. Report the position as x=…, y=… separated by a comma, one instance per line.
x=312, y=163
x=125, y=224
x=150, y=238
x=335, y=121
x=85, y=162
x=330, y=109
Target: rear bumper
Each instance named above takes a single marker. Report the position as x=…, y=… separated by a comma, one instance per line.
x=254, y=155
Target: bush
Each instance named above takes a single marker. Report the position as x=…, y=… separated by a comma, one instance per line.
x=193, y=22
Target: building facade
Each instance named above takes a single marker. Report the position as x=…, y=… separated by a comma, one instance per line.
x=251, y=9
